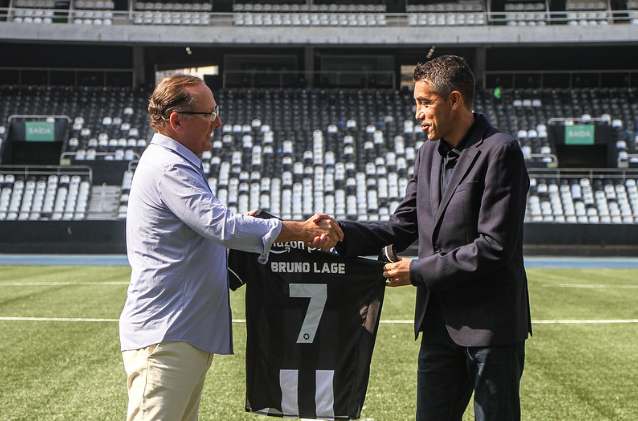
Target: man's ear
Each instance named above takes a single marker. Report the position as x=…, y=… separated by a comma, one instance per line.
x=456, y=98
x=174, y=120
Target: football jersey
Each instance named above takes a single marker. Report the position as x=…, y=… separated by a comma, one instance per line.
x=311, y=320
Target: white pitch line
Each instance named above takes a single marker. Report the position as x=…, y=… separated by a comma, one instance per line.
x=542, y=322
x=71, y=319
x=31, y=284
x=590, y=286
x=396, y=322
x=53, y=319
x=577, y=322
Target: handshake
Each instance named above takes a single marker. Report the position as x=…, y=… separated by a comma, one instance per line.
x=320, y=231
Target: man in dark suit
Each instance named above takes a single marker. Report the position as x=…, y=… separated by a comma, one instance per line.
x=466, y=205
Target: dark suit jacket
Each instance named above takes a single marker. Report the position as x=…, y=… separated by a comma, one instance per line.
x=470, y=240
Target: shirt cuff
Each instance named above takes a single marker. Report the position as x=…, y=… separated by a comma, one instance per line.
x=269, y=239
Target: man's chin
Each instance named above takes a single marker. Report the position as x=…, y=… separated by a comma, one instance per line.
x=433, y=138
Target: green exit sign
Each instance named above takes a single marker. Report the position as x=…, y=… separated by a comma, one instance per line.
x=579, y=134
x=39, y=131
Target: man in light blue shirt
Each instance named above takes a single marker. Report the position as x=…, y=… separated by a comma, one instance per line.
x=177, y=313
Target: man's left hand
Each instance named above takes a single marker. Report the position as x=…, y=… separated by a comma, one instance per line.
x=398, y=273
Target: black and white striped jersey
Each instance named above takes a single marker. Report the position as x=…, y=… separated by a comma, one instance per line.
x=312, y=318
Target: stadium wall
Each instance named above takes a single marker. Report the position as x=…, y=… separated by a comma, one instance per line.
x=63, y=237
x=108, y=237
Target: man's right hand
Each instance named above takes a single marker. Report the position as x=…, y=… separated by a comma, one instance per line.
x=320, y=231
x=331, y=235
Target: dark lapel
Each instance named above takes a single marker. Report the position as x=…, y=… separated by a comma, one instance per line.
x=468, y=156
x=435, y=180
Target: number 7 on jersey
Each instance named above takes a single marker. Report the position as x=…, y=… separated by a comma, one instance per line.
x=318, y=294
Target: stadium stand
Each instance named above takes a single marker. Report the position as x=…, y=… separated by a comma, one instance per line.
x=108, y=123
x=172, y=13
x=171, y=18
x=316, y=115
x=337, y=14
x=447, y=14
x=93, y=12
x=186, y=6
x=583, y=198
x=318, y=13
x=34, y=12
x=526, y=14
x=44, y=194
x=632, y=11
x=350, y=153
x=589, y=12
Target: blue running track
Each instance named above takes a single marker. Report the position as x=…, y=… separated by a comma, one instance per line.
x=121, y=260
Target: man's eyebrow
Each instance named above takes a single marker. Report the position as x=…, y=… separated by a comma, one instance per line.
x=423, y=99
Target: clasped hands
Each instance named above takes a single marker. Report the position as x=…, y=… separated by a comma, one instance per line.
x=323, y=232
x=326, y=229
x=396, y=273
x=320, y=231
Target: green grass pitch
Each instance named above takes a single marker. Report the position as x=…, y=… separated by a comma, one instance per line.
x=582, y=362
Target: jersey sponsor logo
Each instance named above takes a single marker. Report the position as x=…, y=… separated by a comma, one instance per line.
x=280, y=248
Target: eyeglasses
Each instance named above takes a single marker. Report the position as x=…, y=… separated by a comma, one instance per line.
x=212, y=114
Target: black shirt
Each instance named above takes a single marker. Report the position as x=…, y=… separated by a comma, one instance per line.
x=450, y=156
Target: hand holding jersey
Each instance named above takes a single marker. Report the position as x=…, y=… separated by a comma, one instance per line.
x=397, y=269
x=398, y=273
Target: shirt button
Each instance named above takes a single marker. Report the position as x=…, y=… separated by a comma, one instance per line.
x=437, y=249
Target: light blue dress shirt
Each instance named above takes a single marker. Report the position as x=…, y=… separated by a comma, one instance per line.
x=177, y=233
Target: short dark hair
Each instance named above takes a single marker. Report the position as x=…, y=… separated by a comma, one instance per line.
x=171, y=94
x=446, y=74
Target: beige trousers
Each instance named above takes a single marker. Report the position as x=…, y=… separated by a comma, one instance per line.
x=165, y=381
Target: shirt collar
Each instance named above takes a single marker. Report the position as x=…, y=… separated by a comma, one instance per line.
x=444, y=147
x=178, y=148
